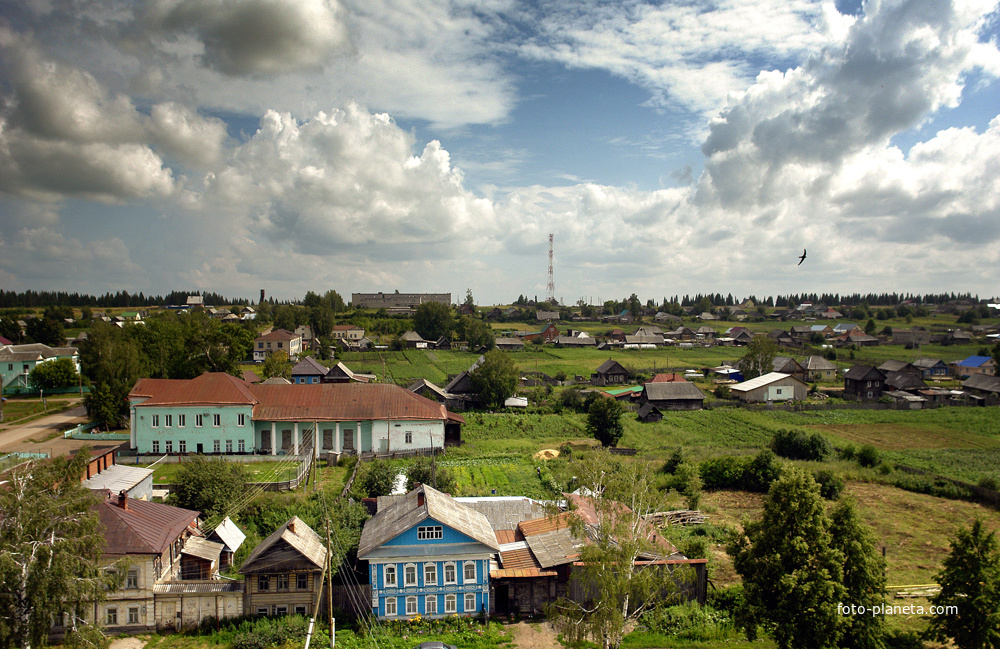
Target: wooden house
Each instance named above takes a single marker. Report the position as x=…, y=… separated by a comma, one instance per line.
x=611, y=372
x=428, y=555
x=864, y=383
x=771, y=387
x=283, y=573
x=673, y=395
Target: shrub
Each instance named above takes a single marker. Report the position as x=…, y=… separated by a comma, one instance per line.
x=847, y=452
x=674, y=461
x=762, y=470
x=687, y=620
x=899, y=639
x=797, y=445
x=725, y=472
x=831, y=485
x=868, y=456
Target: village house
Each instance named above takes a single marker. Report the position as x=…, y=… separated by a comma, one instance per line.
x=274, y=341
x=972, y=365
x=17, y=362
x=428, y=555
x=672, y=395
x=283, y=574
x=931, y=368
x=771, y=387
x=864, y=383
x=819, y=369
x=610, y=372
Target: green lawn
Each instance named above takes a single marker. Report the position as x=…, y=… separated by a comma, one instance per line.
x=166, y=472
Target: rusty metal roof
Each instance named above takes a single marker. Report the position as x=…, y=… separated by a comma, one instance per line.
x=211, y=388
x=343, y=402
x=142, y=527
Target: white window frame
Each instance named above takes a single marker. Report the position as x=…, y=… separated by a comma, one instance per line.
x=241, y=419
x=155, y=421
x=410, y=570
x=450, y=603
x=411, y=605
x=156, y=446
x=216, y=420
x=390, y=576
x=430, y=574
x=199, y=421
x=390, y=606
x=216, y=445
x=242, y=446
x=430, y=605
x=168, y=421
x=182, y=446
x=169, y=446
x=470, y=608
x=229, y=446
x=465, y=572
x=408, y=437
x=430, y=532
x=454, y=573
x=133, y=615
x=181, y=421
x=132, y=579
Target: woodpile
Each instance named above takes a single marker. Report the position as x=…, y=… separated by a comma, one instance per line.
x=677, y=517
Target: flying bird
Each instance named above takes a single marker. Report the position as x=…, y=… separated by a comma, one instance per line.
x=802, y=258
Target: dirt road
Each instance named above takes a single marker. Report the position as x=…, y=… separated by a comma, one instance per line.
x=31, y=437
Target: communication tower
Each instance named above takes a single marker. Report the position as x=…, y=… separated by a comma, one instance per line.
x=550, y=287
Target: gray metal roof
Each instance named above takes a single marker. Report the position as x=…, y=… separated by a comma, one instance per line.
x=554, y=548
x=505, y=513
x=672, y=391
x=118, y=477
x=407, y=512
x=185, y=587
x=761, y=381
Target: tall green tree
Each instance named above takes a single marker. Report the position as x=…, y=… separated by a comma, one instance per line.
x=113, y=363
x=604, y=421
x=476, y=332
x=619, y=590
x=864, y=577
x=59, y=373
x=433, y=320
x=759, y=357
x=970, y=591
x=277, y=364
x=47, y=331
x=209, y=485
x=495, y=380
x=52, y=544
x=791, y=571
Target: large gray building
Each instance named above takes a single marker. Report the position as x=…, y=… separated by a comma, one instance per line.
x=396, y=300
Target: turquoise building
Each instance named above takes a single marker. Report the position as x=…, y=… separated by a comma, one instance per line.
x=219, y=413
x=17, y=361
x=429, y=555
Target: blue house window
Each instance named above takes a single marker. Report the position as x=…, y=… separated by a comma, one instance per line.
x=411, y=605
x=410, y=576
x=390, y=605
x=430, y=574
x=390, y=577
x=470, y=602
x=429, y=532
x=449, y=577
x=431, y=605
x=470, y=572
x=450, y=604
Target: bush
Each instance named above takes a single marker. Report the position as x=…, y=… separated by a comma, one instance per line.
x=899, y=639
x=847, y=452
x=831, y=485
x=762, y=470
x=868, y=456
x=725, y=472
x=674, y=461
x=797, y=445
x=687, y=620
x=730, y=600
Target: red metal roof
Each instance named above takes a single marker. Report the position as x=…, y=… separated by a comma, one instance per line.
x=278, y=334
x=209, y=388
x=669, y=377
x=142, y=527
x=344, y=402
x=317, y=401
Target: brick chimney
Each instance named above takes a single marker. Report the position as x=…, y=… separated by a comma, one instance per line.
x=291, y=526
x=123, y=499
x=420, y=498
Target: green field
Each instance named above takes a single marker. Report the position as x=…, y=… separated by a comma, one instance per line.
x=166, y=473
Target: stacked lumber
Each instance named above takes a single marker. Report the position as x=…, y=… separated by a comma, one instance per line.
x=677, y=517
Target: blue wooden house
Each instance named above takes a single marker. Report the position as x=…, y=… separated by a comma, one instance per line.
x=429, y=555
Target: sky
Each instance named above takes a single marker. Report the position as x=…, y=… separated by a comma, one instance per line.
x=672, y=147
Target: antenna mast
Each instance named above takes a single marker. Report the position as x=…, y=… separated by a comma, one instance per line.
x=550, y=288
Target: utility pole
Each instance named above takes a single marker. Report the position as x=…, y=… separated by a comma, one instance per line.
x=329, y=590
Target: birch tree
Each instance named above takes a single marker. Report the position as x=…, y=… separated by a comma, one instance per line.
x=52, y=545
x=615, y=575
